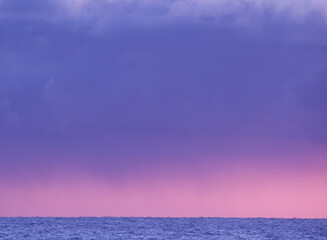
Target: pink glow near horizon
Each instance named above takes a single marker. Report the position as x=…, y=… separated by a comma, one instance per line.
x=244, y=194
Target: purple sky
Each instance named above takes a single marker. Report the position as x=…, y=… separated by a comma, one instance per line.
x=123, y=91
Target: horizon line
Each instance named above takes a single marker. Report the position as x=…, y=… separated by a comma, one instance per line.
x=303, y=218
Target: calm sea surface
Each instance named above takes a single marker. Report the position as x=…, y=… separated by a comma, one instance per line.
x=162, y=228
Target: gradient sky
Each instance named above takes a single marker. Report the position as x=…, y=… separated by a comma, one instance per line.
x=163, y=108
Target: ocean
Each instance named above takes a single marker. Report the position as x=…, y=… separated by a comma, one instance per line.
x=161, y=228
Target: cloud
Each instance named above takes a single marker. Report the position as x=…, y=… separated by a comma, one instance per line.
x=106, y=13
x=218, y=10
x=189, y=76
x=114, y=84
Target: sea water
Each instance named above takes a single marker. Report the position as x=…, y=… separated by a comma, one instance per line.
x=161, y=228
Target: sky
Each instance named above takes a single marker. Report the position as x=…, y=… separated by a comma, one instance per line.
x=163, y=108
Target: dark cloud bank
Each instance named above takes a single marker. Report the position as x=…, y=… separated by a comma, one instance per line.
x=124, y=85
